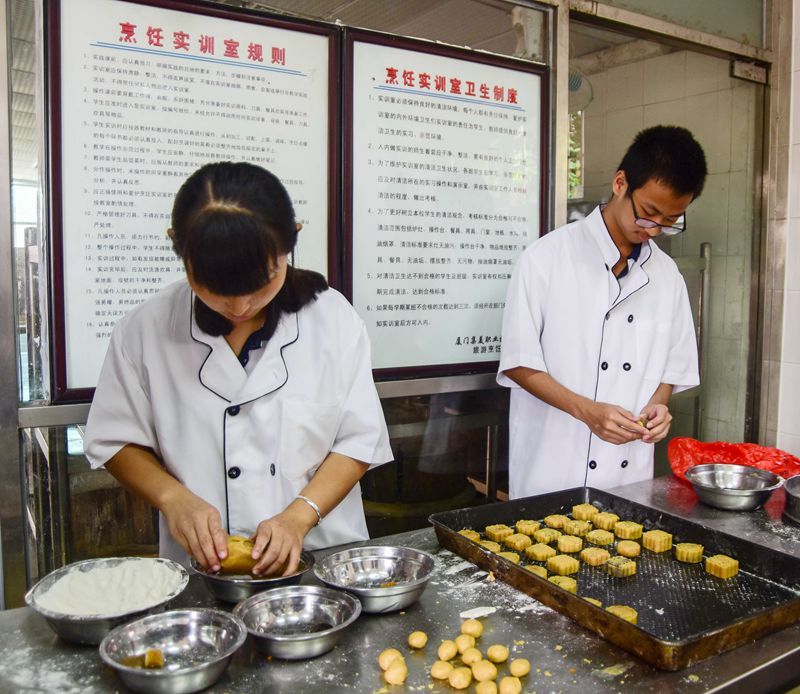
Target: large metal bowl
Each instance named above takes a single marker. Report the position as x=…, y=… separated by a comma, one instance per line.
x=384, y=579
x=235, y=588
x=792, y=489
x=197, y=645
x=733, y=487
x=90, y=629
x=297, y=622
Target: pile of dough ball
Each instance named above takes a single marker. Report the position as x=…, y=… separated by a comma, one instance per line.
x=461, y=663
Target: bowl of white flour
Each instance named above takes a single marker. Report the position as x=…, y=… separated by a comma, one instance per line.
x=83, y=601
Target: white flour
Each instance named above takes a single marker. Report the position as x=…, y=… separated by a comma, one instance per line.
x=111, y=590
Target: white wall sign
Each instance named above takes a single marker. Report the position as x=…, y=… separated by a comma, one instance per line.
x=446, y=164
x=148, y=95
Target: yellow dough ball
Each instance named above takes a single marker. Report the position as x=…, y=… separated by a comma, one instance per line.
x=239, y=559
x=460, y=678
x=447, y=650
x=519, y=667
x=441, y=670
x=487, y=687
x=386, y=657
x=464, y=641
x=510, y=685
x=497, y=653
x=397, y=672
x=473, y=627
x=417, y=639
x=471, y=656
x=484, y=670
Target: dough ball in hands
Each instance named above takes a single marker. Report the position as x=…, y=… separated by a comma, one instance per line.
x=497, y=653
x=397, y=672
x=472, y=627
x=447, y=650
x=519, y=667
x=239, y=560
x=510, y=685
x=387, y=656
x=460, y=678
x=484, y=670
x=417, y=639
x=441, y=670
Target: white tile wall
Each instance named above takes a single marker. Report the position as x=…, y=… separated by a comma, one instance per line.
x=740, y=202
x=625, y=85
x=665, y=113
x=793, y=255
x=791, y=329
x=694, y=91
x=788, y=424
x=664, y=78
x=705, y=74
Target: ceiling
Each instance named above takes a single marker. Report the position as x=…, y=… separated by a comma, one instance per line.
x=479, y=24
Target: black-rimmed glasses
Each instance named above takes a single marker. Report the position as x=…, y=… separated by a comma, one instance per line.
x=678, y=226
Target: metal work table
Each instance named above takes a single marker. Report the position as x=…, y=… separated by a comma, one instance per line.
x=564, y=656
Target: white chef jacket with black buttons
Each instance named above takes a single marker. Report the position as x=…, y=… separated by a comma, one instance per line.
x=609, y=340
x=245, y=440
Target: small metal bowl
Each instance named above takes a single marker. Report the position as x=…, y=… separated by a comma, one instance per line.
x=297, y=622
x=733, y=487
x=384, y=579
x=197, y=645
x=792, y=489
x=90, y=629
x=236, y=588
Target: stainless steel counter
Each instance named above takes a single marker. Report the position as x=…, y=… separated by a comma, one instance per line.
x=565, y=657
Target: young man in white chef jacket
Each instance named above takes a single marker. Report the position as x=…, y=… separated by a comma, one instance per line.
x=598, y=331
x=240, y=400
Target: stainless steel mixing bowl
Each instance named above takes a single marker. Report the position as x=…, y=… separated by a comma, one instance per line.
x=792, y=489
x=197, y=645
x=297, y=622
x=90, y=629
x=383, y=578
x=238, y=588
x=733, y=487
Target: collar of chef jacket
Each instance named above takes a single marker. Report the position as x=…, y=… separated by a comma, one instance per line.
x=223, y=374
x=636, y=278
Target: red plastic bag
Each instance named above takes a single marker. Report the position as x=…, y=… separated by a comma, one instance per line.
x=685, y=452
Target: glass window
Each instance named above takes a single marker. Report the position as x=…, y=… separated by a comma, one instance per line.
x=575, y=164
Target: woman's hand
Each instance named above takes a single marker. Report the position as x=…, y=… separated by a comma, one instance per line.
x=658, y=420
x=277, y=544
x=197, y=527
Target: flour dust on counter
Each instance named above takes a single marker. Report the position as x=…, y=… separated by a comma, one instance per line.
x=21, y=670
x=454, y=574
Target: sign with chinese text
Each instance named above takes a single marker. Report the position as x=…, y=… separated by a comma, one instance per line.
x=446, y=157
x=146, y=96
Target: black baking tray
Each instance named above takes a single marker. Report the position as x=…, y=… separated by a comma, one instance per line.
x=685, y=614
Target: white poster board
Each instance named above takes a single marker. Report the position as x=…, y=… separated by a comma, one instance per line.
x=147, y=96
x=446, y=165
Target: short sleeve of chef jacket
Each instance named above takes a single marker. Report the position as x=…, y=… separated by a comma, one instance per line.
x=522, y=316
x=362, y=431
x=121, y=413
x=681, y=368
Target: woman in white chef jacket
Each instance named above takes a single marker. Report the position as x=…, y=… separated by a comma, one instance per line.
x=240, y=400
x=598, y=331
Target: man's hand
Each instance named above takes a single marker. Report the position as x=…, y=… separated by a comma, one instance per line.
x=197, y=527
x=657, y=419
x=611, y=423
